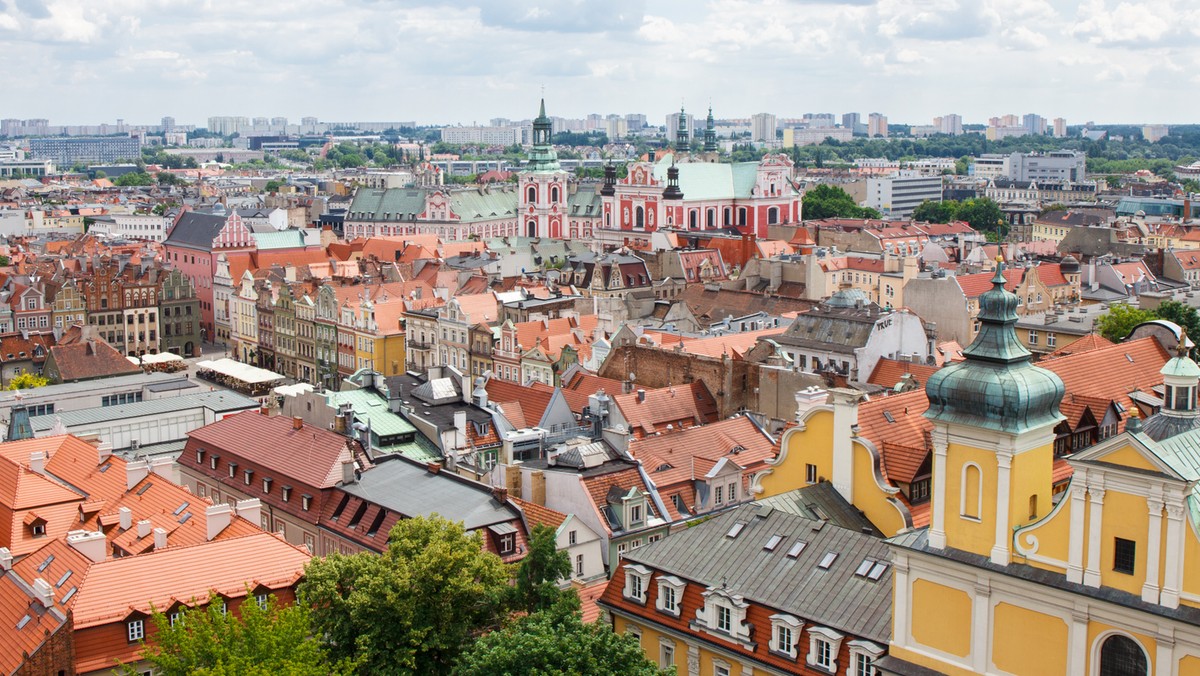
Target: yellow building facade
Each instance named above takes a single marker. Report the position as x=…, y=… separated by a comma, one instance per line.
x=1105, y=581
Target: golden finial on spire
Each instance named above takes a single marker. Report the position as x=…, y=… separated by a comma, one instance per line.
x=1181, y=350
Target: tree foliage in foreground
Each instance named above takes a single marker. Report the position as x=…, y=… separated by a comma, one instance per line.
x=1120, y=320
x=255, y=642
x=27, y=380
x=539, y=572
x=413, y=609
x=556, y=642
x=830, y=201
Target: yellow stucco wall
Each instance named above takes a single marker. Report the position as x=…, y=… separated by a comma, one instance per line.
x=1191, y=554
x=1053, y=536
x=970, y=534
x=1125, y=516
x=1030, y=476
x=947, y=629
x=871, y=498
x=651, y=647
x=1189, y=666
x=1028, y=642
x=1130, y=458
x=812, y=445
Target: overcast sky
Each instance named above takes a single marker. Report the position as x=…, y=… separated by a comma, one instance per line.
x=82, y=61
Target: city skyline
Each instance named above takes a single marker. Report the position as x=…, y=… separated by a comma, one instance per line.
x=1112, y=62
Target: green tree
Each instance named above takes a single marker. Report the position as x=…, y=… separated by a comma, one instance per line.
x=274, y=185
x=26, y=381
x=133, y=179
x=167, y=178
x=982, y=214
x=256, y=641
x=556, y=642
x=830, y=201
x=413, y=609
x=1120, y=320
x=539, y=572
x=936, y=212
x=100, y=174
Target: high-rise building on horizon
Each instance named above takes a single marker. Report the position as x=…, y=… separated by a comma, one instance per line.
x=762, y=127
x=1060, y=127
x=877, y=125
x=949, y=124
x=1034, y=124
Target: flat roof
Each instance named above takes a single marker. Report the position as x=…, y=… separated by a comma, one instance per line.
x=219, y=401
x=102, y=386
x=239, y=371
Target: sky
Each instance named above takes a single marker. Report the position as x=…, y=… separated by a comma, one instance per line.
x=467, y=61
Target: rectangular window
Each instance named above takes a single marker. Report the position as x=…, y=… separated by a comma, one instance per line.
x=136, y=630
x=810, y=473
x=783, y=639
x=571, y=538
x=1033, y=337
x=635, y=587
x=1051, y=339
x=635, y=514
x=261, y=600
x=579, y=565
x=174, y=618
x=719, y=495
x=724, y=619
x=669, y=601
x=733, y=492
x=862, y=665
x=720, y=670
x=824, y=653
x=666, y=656
x=1124, y=555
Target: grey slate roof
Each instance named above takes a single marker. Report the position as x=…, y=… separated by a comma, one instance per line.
x=409, y=488
x=836, y=329
x=835, y=598
x=822, y=501
x=196, y=230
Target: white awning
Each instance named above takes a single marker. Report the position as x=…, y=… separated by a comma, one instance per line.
x=160, y=358
x=238, y=371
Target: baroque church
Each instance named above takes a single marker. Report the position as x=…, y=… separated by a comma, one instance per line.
x=675, y=189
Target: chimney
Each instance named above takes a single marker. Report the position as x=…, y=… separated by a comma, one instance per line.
x=641, y=395
x=6, y=559
x=250, y=510
x=126, y=515
x=160, y=539
x=434, y=467
x=537, y=487
x=44, y=592
x=263, y=410
x=460, y=424
x=347, y=471
x=500, y=493
x=135, y=472
x=37, y=462
x=218, y=517
x=165, y=468
x=91, y=544
x=845, y=429
x=297, y=423
x=103, y=451
x=339, y=422
x=143, y=528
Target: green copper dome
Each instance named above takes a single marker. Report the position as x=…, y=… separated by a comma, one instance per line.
x=542, y=157
x=995, y=387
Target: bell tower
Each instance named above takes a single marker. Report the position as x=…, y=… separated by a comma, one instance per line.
x=543, y=185
x=993, y=420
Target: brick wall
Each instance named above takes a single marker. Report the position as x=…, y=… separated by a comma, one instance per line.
x=55, y=656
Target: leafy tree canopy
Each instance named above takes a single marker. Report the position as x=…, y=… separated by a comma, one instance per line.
x=413, y=609
x=254, y=641
x=830, y=201
x=27, y=380
x=1120, y=320
x=539, y=572
x=556, y=642
x=133, y=178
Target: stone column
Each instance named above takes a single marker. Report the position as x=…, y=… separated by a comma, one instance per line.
x=1091, y=576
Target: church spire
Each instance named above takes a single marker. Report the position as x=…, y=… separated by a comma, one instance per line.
x=681, y=131
x=710, y=133
x=542, y=156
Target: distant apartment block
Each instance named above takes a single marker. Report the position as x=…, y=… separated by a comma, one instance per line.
x=877, y=125
x=762, y=127
x=812, y=137
x=1060, y=127
x=1155, y=132
x=491, y=136
x=68, y=151
x=853, y=122
x=949, y=124
x=898, y=195
x=1058, y=165
x=673, y=126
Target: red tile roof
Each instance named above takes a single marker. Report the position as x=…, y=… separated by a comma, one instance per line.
x=680, y=406
x=1091, y=341
x=90, y=359
x=539, y=514
x=678, y=458
x=889, y=372
x=1113, y=371
x=311, y=455
x=903, y=440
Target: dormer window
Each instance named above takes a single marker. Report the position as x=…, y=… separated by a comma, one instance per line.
x=287, y=493
x=305, y=502
x=232, y=470
x=724, y=614
x=823, y=647
x=636, y=579
x=246, y=475
x=199, y=455
x=635, y=515
x=266, y=483
x=785, y=635
x=670, y=594
x=214, y=461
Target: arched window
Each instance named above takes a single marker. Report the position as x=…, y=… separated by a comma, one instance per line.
x=772, y=215
x=531, y=229
x=727, y=216
x=640, y=216
x=693, y=219
x=741, y=215
x=971, y=497
x=710, y=219
x=554, y=194
x=1033, y=506
x=1122, y=656
x=531, y=194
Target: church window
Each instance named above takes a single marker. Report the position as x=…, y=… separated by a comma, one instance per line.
x=640, y=215
x=693, y=219
x=554, y=194
x=1124, y=555
x=971, y=498
x=710, y=219
x=531, y=194
x=772, y=215
x=1122, y=656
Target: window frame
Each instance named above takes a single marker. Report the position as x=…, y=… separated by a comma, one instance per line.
x=135, y=630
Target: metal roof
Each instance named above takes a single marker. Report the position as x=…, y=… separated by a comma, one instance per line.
x=219, y=401
x=410, y=489
x=833, y=597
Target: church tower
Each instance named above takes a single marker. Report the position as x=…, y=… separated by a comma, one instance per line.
x=682, y=139
x=993, y=416
x=710, y=133
x=543, y=185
